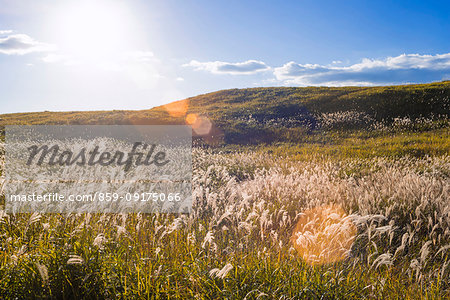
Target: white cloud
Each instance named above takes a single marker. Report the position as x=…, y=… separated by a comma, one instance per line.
x=20, y=44
x=405, y=68
x=219, y=67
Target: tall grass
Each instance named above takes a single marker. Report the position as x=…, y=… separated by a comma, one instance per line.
x=238, y=241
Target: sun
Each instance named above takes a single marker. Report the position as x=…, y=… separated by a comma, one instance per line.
x=93, y=30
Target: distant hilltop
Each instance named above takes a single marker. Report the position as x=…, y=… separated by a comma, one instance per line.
x=271, y=114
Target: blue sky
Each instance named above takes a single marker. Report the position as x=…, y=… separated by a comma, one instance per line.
x=106, y=54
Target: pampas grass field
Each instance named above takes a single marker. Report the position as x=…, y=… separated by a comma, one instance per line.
x=297, y=193
x=262, y=226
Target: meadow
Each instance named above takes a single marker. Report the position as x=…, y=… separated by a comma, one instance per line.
x=241, y=239
x=339, y=203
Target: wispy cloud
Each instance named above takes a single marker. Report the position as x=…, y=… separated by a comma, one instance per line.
x=219, y=67
x=20, y=44
x=405, y=68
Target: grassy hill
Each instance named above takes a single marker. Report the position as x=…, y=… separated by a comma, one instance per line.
x=369, y=165
x=282, y=114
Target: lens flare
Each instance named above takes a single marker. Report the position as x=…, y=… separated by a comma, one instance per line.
x=324, y=235
x=200, y=124
x=178, y=108
x=191, y=119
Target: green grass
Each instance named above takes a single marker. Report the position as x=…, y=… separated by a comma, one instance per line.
x=129, y=267
x=356, y=144
x=147, y=260
x=151, y=257
x=229, y=110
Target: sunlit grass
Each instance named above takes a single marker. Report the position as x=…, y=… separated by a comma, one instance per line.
x=380, y=154
x=236, y=243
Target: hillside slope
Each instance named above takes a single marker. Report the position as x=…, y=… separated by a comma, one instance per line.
x=257, y=115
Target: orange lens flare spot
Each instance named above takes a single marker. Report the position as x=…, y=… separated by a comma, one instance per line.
x=200, y=124
x=324, y=235
x=191, y=119
x=178, y=108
